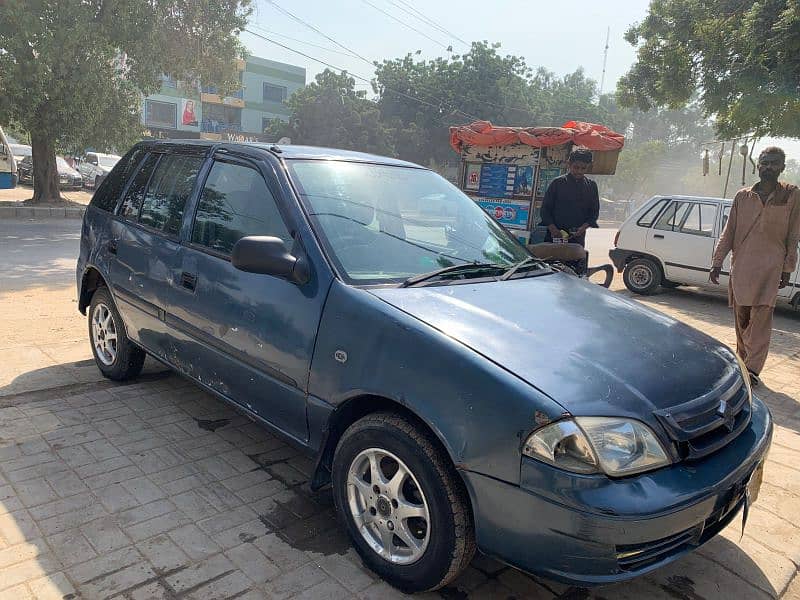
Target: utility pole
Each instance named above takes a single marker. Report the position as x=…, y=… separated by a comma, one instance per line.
x=605, y=61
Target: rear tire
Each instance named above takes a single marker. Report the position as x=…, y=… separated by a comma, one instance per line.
x=115, y=355
x=642, y=276
x=419, y=498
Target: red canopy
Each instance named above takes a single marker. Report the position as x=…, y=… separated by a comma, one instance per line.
x=588, y=135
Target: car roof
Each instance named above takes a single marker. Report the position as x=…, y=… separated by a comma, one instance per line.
x=692, y=198
x=291, y=152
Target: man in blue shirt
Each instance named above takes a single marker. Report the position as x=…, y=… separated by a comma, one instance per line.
x=572, y=202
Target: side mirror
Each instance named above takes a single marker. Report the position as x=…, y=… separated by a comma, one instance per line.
x=268, y=256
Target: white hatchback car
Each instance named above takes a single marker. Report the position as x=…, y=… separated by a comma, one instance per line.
x=669, y=241
x=95, y=166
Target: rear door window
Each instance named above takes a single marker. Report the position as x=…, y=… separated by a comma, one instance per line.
x=700, y=219
x=134, y=197
x=672, y=217
x=646, y=220
x=171, y=185
x=108, y=193
x=726, y=212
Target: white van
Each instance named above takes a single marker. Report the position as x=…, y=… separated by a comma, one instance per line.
x=669, y=242
x=8, y=166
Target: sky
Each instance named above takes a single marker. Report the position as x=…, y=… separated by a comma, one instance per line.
x=560, y=36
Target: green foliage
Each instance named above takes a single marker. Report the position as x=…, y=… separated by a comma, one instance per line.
x=330, y=112
x=73, y=71
x=741, y=55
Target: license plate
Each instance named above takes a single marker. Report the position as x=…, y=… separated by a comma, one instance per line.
x=754, y=483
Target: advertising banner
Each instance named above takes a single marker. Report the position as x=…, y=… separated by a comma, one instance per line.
x=510, y=213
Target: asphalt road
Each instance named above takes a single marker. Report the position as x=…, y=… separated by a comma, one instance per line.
x=38, y=253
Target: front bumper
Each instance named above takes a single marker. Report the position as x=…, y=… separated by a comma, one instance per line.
x=593, y=530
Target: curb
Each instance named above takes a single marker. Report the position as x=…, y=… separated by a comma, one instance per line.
x=37, y=212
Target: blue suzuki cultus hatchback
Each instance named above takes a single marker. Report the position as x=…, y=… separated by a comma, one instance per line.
x=454, y=391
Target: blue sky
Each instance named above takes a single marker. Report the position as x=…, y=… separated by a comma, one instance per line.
x=560, y=36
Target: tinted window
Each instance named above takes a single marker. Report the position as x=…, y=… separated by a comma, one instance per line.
x=671, y=218
x=108, y=193
x=236, y=202
x=700, y=219
x=135, y=195
x=160, y=114
x=646, y=220
x=166, y=196
x=274, y=93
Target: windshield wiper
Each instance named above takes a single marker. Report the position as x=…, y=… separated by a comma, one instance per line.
x=521, y=265
x=446, y=270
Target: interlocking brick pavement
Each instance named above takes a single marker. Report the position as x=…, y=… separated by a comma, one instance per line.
x=158, y=490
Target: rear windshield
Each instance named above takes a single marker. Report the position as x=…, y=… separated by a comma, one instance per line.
x=649, y=217
x=108, y=193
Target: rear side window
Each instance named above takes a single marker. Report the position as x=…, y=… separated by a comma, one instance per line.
x=700, y=219
x=134, y=197
x=646, y=220
x=108, y=193
x=671, y=218
x=235, y=203
x=170, y=187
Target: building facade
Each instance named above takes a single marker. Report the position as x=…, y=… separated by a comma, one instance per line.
x=196, y=110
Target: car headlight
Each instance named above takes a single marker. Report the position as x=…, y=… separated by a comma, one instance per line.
x=611, y=445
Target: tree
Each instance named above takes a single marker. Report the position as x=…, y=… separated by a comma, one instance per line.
x=330, y=112
x=741, y=55
x=420, y=99
x=72, y=72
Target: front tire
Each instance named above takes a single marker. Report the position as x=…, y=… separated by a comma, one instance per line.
x=115, y=355
x=405, y=508
x=642, y=276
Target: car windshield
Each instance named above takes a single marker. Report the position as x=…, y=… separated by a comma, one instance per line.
x=63, y=165
x=108, y=161
x=20, y=150
x=383, y=224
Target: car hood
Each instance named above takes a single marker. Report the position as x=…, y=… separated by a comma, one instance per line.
x=62, y=172
x=591, y=350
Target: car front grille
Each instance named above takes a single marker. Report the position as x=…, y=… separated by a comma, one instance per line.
x=706, y=424
x=633, y=557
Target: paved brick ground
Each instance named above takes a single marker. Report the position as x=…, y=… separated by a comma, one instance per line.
x=157, y=490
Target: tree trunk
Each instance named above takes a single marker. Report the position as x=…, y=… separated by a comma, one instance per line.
x=45, y=171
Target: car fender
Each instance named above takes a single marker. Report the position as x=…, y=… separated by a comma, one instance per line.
x=480, y=412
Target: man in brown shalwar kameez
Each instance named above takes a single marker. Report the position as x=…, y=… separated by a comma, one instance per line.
x=762, y=231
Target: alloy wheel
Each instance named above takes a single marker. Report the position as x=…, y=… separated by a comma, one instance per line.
x=388, y=506
x=104, y=334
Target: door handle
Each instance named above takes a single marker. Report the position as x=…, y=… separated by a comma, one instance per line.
x=658, y=236
x=112, y=246
x=188, y=280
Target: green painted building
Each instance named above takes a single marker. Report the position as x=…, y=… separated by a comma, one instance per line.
x=182, y=110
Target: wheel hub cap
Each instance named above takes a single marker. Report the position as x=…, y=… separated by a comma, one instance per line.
x=104, y=334
x=384, y=507
x=388, y=506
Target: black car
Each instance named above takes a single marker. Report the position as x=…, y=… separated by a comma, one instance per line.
x=68, y=178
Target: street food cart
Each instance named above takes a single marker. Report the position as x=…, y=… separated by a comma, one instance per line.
x=506, y=170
